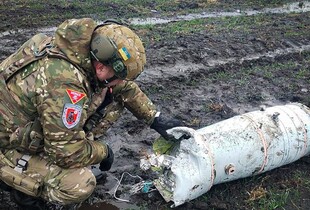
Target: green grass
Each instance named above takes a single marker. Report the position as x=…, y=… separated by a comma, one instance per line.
x=51, y=13
x=125, y=8
x=301, y=178
x=303, y=73
x=268, y=21
x=257, y=194
x=172, y=30
x=245, y=25
x=274, y=200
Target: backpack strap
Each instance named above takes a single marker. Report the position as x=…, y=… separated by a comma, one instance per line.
x=28, y=53
x=32, y=50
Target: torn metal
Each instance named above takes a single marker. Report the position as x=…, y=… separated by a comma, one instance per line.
x=242, y=146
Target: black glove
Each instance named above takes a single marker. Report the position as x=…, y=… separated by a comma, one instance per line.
x=161, y=125
x=106, y=163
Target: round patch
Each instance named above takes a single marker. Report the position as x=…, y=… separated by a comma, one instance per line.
x=71, y=115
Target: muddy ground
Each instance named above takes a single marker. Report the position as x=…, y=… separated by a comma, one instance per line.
x=203, y=77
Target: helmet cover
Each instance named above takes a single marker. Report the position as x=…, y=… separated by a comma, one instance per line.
x=113, y=43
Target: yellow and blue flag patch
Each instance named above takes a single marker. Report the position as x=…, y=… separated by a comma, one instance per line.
x=124, y=53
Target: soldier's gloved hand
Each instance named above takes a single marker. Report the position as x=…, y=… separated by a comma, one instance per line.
x=161, y=125
x=106, y=163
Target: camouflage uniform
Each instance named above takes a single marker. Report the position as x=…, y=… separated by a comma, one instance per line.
x=63, y=93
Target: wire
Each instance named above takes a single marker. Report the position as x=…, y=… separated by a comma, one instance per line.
x=119, y=183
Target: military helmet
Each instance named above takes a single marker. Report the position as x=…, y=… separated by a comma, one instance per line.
x=120, y=47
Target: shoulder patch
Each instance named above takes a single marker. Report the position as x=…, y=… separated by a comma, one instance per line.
x=71, y=115
x=75, y=96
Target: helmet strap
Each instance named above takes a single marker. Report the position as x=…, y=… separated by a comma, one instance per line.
x=94, y=56
x=107, y=81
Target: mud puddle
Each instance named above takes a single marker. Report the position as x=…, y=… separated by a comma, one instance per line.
x=297, y=7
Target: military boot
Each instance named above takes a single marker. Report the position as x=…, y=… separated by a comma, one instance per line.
x=27, y=202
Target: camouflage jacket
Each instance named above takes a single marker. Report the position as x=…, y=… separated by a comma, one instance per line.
x=63, y=93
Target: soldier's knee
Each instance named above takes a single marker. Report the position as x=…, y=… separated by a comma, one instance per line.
x=85, y=184
x=74, y=187
x=80, y=184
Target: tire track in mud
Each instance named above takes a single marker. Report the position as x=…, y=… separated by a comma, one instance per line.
x=161, y=72
x=257, y=52
x=296, y=7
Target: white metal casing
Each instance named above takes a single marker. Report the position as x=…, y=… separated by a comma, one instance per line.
x=242, y=146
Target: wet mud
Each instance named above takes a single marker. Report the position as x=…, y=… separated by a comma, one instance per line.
x=202, y=78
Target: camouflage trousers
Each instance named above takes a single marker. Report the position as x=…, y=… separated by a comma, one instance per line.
x=60, y=186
